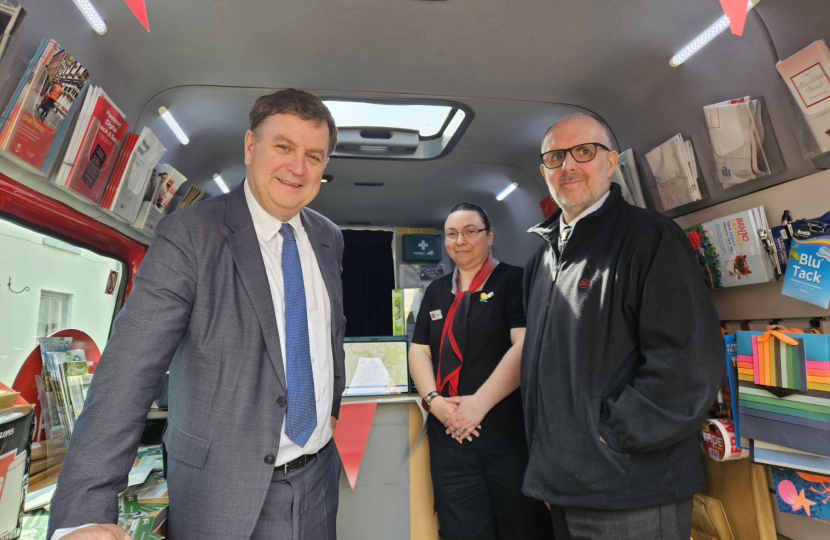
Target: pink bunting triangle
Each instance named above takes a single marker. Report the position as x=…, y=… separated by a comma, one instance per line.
x=351, y=434
x=140, y=11
x=736, y=11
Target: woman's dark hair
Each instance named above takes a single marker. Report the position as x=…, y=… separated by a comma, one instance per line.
x=473, y=208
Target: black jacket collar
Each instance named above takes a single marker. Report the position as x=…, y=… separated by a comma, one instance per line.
x=549, y=229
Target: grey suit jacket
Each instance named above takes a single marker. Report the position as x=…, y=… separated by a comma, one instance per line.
x=201, y=293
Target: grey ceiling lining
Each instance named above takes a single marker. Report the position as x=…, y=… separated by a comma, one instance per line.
x=608, y=57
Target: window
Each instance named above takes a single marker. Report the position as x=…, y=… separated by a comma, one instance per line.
x=397, y=129
x=427, y=120
x=46, y=285
x=54, y=313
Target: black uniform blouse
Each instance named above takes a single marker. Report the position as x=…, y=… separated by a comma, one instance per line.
x=489, y=325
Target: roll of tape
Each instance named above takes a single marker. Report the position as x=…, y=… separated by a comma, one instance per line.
x=719, y=442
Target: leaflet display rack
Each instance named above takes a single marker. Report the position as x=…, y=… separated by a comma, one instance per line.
x=659, y=185
x=767, y=160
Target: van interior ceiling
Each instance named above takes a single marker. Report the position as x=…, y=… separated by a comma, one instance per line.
x=518, y=70
x=506, y=71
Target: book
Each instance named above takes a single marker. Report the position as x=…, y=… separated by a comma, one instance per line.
x=806, y=74
x=192, y=195
x=93, y=149
x=729, y=250
x=42, y=104
x=129, y=189
x=118, y=170
x=168, y=181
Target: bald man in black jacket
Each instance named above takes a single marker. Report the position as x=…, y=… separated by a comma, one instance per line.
x=623, y=354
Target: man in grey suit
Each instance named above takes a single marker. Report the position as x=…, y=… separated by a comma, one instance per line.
x=245, y=289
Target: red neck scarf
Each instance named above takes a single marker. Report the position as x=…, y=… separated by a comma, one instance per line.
x=454, y=335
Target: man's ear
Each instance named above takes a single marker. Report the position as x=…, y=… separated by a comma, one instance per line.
x=250, y=137
x=613, y=158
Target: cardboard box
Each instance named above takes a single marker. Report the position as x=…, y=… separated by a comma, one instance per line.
x=17, y=422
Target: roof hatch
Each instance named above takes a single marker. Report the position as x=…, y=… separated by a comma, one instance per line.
x=397, y=129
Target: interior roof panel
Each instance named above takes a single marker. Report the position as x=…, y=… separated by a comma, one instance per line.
x=608, y=57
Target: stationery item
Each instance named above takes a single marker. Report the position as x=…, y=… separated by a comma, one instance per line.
x=797, y=419
x=729, y=250
x=674, y=168
x=780, y=237
x=737, y=135
x=772, y=454
x=806, y=74
x=807, y=278
x=720, y=441
x=626, y=176
x=781, y=361
x=784, y=433
x=802, y=493
x=731, y=345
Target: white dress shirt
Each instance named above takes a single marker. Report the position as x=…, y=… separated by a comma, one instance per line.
x=318, y=307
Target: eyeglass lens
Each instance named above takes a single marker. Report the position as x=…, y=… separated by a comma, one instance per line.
x=467, y=233
x=581, y=153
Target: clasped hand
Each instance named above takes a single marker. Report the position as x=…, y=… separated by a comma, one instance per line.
x=459, y=412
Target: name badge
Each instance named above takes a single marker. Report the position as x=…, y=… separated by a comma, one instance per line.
x=436, y=315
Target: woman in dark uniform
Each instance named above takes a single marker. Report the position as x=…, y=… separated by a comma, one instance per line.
x=464, y=359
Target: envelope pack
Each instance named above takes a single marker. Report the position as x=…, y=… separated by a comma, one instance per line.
x=807, y=74
x=737, y=135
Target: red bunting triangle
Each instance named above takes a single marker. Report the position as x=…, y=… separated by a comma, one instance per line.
x=736, y=11
x=350, y=435
x=140, y=11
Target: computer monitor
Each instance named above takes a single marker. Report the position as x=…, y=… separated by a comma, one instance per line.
x=377, y=366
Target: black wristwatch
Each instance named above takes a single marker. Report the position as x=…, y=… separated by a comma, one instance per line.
x=429, y=397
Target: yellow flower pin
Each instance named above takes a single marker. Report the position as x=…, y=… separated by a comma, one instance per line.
x=485, y=296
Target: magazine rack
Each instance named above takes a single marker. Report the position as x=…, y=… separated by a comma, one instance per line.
x=26, y=384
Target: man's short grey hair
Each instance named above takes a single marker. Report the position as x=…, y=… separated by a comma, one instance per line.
x=609, y=136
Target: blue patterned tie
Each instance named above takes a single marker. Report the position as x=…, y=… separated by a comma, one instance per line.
x=301, y=417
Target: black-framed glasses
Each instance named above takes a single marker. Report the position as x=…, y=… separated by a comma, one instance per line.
x=466, y=233
x=581, y=153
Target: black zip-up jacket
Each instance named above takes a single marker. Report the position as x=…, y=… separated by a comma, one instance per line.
x=626, y=345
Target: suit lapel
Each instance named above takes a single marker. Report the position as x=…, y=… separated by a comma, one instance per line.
x=247, y=257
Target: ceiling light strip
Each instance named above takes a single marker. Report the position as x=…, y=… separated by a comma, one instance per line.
x=92, y=16
x=173, y=125
x=221, y=183
x=708, y=35
x=507, y=191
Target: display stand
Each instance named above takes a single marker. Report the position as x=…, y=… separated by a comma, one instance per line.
x=756, y=306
